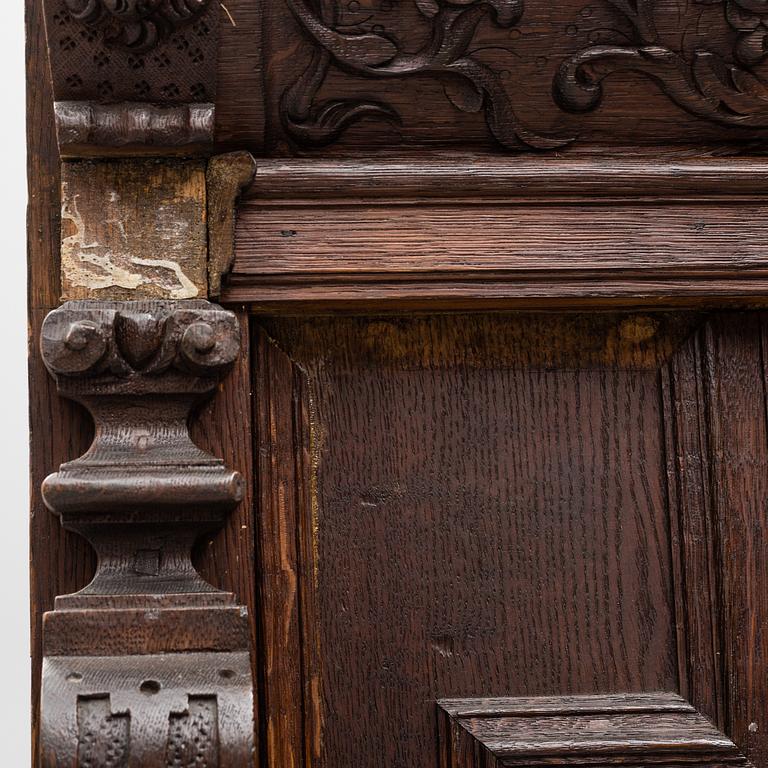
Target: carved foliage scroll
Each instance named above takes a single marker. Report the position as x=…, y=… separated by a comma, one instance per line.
x=716, y=78
x=471, y=85
x=725, y=91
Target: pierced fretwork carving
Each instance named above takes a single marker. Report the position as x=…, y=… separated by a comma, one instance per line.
x=708, y=86
x=140, y=664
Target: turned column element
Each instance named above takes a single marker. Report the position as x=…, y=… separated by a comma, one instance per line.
x=148, y=665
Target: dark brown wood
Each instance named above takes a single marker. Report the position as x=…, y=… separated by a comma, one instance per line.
x=133, y=74
x=153, y=711
x=142, y=495
x=477, y=75
x=88, y=128
x=484, y=508
x=448, y=510
x=226, y=177
x=469, y=231
x=628, y=729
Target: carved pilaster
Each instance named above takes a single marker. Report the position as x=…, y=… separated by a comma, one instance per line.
x=148, y=665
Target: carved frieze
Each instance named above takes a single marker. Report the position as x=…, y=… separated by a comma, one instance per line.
x=469, y=84
x=723, y=89
x=706, y=56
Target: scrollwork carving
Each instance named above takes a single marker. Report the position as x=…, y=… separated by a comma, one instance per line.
x=471, y=85
x=708, y=86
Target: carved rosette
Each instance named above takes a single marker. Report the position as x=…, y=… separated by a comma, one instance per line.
x=148, y=664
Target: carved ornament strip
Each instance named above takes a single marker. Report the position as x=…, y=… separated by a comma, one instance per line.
x=718, y=81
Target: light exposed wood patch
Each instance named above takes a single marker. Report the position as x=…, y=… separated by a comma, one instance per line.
x=133, y=229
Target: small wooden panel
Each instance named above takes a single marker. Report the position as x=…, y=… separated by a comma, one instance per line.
x=646, y=729
x=134, y=229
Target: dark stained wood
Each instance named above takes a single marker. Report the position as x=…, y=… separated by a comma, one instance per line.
x=295, y=76
x=225, y=178
x=512, y=76
x=470, y=231
x=282, y=460
x=493, y=506
x=686, y=383
x=61, y=561
x=645, y=729
x=737, y=391
x=160, y=710
x=142, y=494
x=89, y=128
x=134, y=74
x=660, y=175
x=472, y=520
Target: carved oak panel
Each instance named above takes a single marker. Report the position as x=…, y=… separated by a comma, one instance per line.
x=515, y=506
x=512, y=75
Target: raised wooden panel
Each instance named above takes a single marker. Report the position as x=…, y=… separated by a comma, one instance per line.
x=457, y=506
x=628, y=729
x=511, y=505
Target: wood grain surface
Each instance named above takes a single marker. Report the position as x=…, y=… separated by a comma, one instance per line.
x=62, y=562
x=644, y=729
x=477, y=232
x=486, y=515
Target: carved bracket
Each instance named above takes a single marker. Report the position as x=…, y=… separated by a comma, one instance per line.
x=133, y=74
x=149, y=664
x=640, y=729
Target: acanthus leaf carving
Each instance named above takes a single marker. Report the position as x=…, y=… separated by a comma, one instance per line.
x=707, y=86
x=470, y=84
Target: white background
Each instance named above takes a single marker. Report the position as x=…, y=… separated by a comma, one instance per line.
x=14, y=439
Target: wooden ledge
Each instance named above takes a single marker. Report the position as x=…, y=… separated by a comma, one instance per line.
x=461, y=232
x=660, y=175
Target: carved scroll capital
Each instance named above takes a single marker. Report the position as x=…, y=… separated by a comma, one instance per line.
x=168, y=346
x=148, y=664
